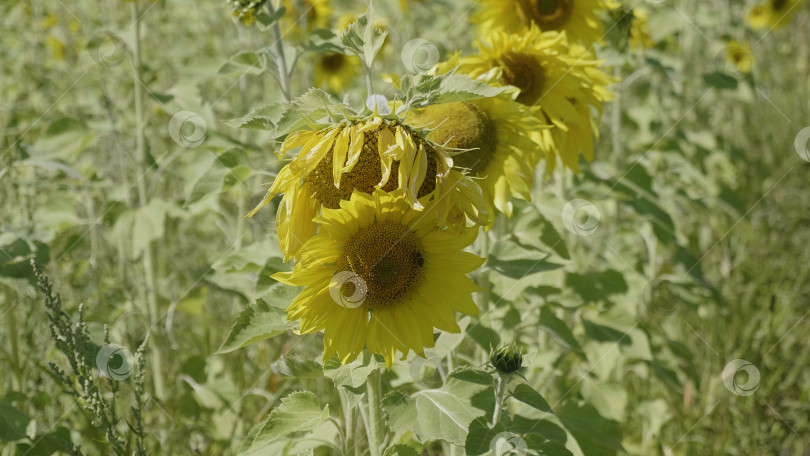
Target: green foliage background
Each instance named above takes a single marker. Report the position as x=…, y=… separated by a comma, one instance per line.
x=700, y=255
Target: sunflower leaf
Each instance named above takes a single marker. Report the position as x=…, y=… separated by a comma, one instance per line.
x=299, y=412
x=447, y=412
x=362, y=38
x=255, y=324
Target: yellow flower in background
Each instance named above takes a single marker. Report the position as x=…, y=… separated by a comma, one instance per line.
x=363, y=156
x=773, y=14
x=739, y=55
x=561, y=84
x=303, y=16
x=640, y=31
x=381, y=275
x=49, y=22
x=336, y=71
x=496, y=133
x=56, y=46
x=578, y=18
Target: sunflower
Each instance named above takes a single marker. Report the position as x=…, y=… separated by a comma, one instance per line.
x=639, y=38
x=303, y=16
x=336, y=71
x=360, y=156
x=560, y=83
x=739, y=55
x=381, y=275
x=773, y=14
x=578, y=18
x=493, y=137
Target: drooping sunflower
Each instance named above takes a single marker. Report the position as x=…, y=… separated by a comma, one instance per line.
x=493, y=140
x=773, y=14
x=381, y=275
x=361, y=156
x=578, y=18
x=560, y=83
x=739, y=55
x=336, y=71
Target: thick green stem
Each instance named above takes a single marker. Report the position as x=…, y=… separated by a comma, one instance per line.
x=369, y=83
x=143, y=200
x=350, y=418
x=376, y=425
x=281, y=58
x=500, y=399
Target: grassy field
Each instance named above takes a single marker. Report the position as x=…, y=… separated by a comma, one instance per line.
x=122, y=177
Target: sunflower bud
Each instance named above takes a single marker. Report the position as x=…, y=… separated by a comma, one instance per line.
x=507, y=359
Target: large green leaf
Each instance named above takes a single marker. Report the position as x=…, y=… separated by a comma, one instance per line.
x=362, y=38
x=558, y=329
x=299, y=412
x=254, y=324
x=595, y=434
x=353, y=374
x=515, y=261
x=12, y=423
x=524, y=393
x=446, y=413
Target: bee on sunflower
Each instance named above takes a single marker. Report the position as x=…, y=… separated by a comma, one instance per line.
x=381, y=275
x=559, y=83
x=577, y=18
x=773, y=14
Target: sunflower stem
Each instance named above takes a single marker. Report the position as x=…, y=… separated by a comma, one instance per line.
x=500, y=399
x=143, y=200
x=281, y=58
x=369, y=83
x=376, y=426
x=350, y=417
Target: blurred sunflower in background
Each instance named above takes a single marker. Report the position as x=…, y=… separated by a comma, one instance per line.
x=639, y=38
x=773, y=14
x=561, y=85
x=303, y=16
x=739, y=55
x=381, y=275
x=362, y=156
x=336, y=71
x=492, y=137
x=578, y=18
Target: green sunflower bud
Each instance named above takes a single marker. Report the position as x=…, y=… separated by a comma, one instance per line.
x=507, y=359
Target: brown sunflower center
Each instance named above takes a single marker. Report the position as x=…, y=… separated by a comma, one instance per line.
x=389, y=259
x=366, y=174
x=548, y=14
x=333, y=62
x=463, y=125
x=524, y=72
